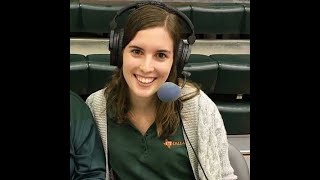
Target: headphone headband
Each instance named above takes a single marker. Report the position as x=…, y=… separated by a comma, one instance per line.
x=191, y=39
x=116, y=36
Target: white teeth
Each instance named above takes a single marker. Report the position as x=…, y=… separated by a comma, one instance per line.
x=144, y=79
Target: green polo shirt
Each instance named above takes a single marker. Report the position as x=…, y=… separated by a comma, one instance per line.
x=133, y=156
x=87, y=158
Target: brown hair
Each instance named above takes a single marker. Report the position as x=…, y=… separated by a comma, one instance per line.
x=116, y=93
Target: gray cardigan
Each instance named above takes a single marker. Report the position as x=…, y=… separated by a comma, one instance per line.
x=204, y=127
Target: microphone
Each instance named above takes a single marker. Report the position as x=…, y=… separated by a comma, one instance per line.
x=169, y=91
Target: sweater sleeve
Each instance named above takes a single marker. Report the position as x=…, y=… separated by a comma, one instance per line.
x=96, y=103
x=89, y=102
x=87, y=160
x=227, y=172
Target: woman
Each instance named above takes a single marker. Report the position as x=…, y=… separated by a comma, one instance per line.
x=143, y=137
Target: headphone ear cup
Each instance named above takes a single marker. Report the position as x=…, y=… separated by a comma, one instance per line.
x=119, y=48
x=186, y=54
x=113, y=46
x=184, y=51
x=116, y=48
x=179, y=58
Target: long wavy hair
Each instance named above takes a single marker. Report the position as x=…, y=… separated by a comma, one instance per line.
x=118, y=102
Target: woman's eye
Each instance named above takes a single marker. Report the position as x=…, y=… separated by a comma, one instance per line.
x=136, y=52
x=162, y=55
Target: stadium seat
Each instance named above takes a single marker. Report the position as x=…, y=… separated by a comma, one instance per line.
x=233, y=82
x=78, y=74
x=187, y=11
x=75, y=17
x=238, y=163
x=246, y=27
x=97, y=18
x=218, y=18
x=234, y=74
x=236, y=116
x=204, y=71
x=100, y=71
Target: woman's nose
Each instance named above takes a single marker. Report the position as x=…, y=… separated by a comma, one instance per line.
x=147, y=65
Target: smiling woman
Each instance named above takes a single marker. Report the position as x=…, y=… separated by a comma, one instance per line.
x=180, y=139
x=147, y=61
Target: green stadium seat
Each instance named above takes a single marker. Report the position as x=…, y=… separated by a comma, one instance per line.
x=204, y=71
x=218, y=18
x=97, y=18
x=234, y=74
x=75, y=17
x=78, y=74
x=100, y=71
x=233, y=82
x=187, y=11
x=246, y=27
x=236, y=116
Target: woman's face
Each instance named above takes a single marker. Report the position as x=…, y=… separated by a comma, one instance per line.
x=147, y=61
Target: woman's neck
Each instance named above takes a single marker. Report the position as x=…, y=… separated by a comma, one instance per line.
x=139, y=105
x=142, y=113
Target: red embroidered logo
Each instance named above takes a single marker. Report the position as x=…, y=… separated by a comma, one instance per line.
x=169, y=143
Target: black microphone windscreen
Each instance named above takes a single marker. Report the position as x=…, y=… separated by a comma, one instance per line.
x=169, y=92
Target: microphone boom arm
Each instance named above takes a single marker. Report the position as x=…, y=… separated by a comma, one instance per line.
x=185, y=75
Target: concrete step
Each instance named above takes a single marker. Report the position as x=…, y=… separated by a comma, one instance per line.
x=87, y=46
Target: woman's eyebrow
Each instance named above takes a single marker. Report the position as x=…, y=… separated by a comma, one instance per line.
x=135, y=47
x=158, y=51
x=164, y=51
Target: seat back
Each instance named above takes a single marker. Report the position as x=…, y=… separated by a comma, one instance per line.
x=204, y=71
x=100, y=71
x=236, y=116
x=207, y=18
x=232, y=91
x=78, y=74
x=75, y=17
x=97, y=18
x=246, y=27
x=218, y=18
x=234, y=73
x=238, y=163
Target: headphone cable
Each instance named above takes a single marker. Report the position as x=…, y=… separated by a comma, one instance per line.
x=191, y=144
x=185, y=75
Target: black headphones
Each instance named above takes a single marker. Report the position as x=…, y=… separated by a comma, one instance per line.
x=116, y=37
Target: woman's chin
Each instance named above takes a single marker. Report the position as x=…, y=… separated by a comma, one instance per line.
x=145, y=93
